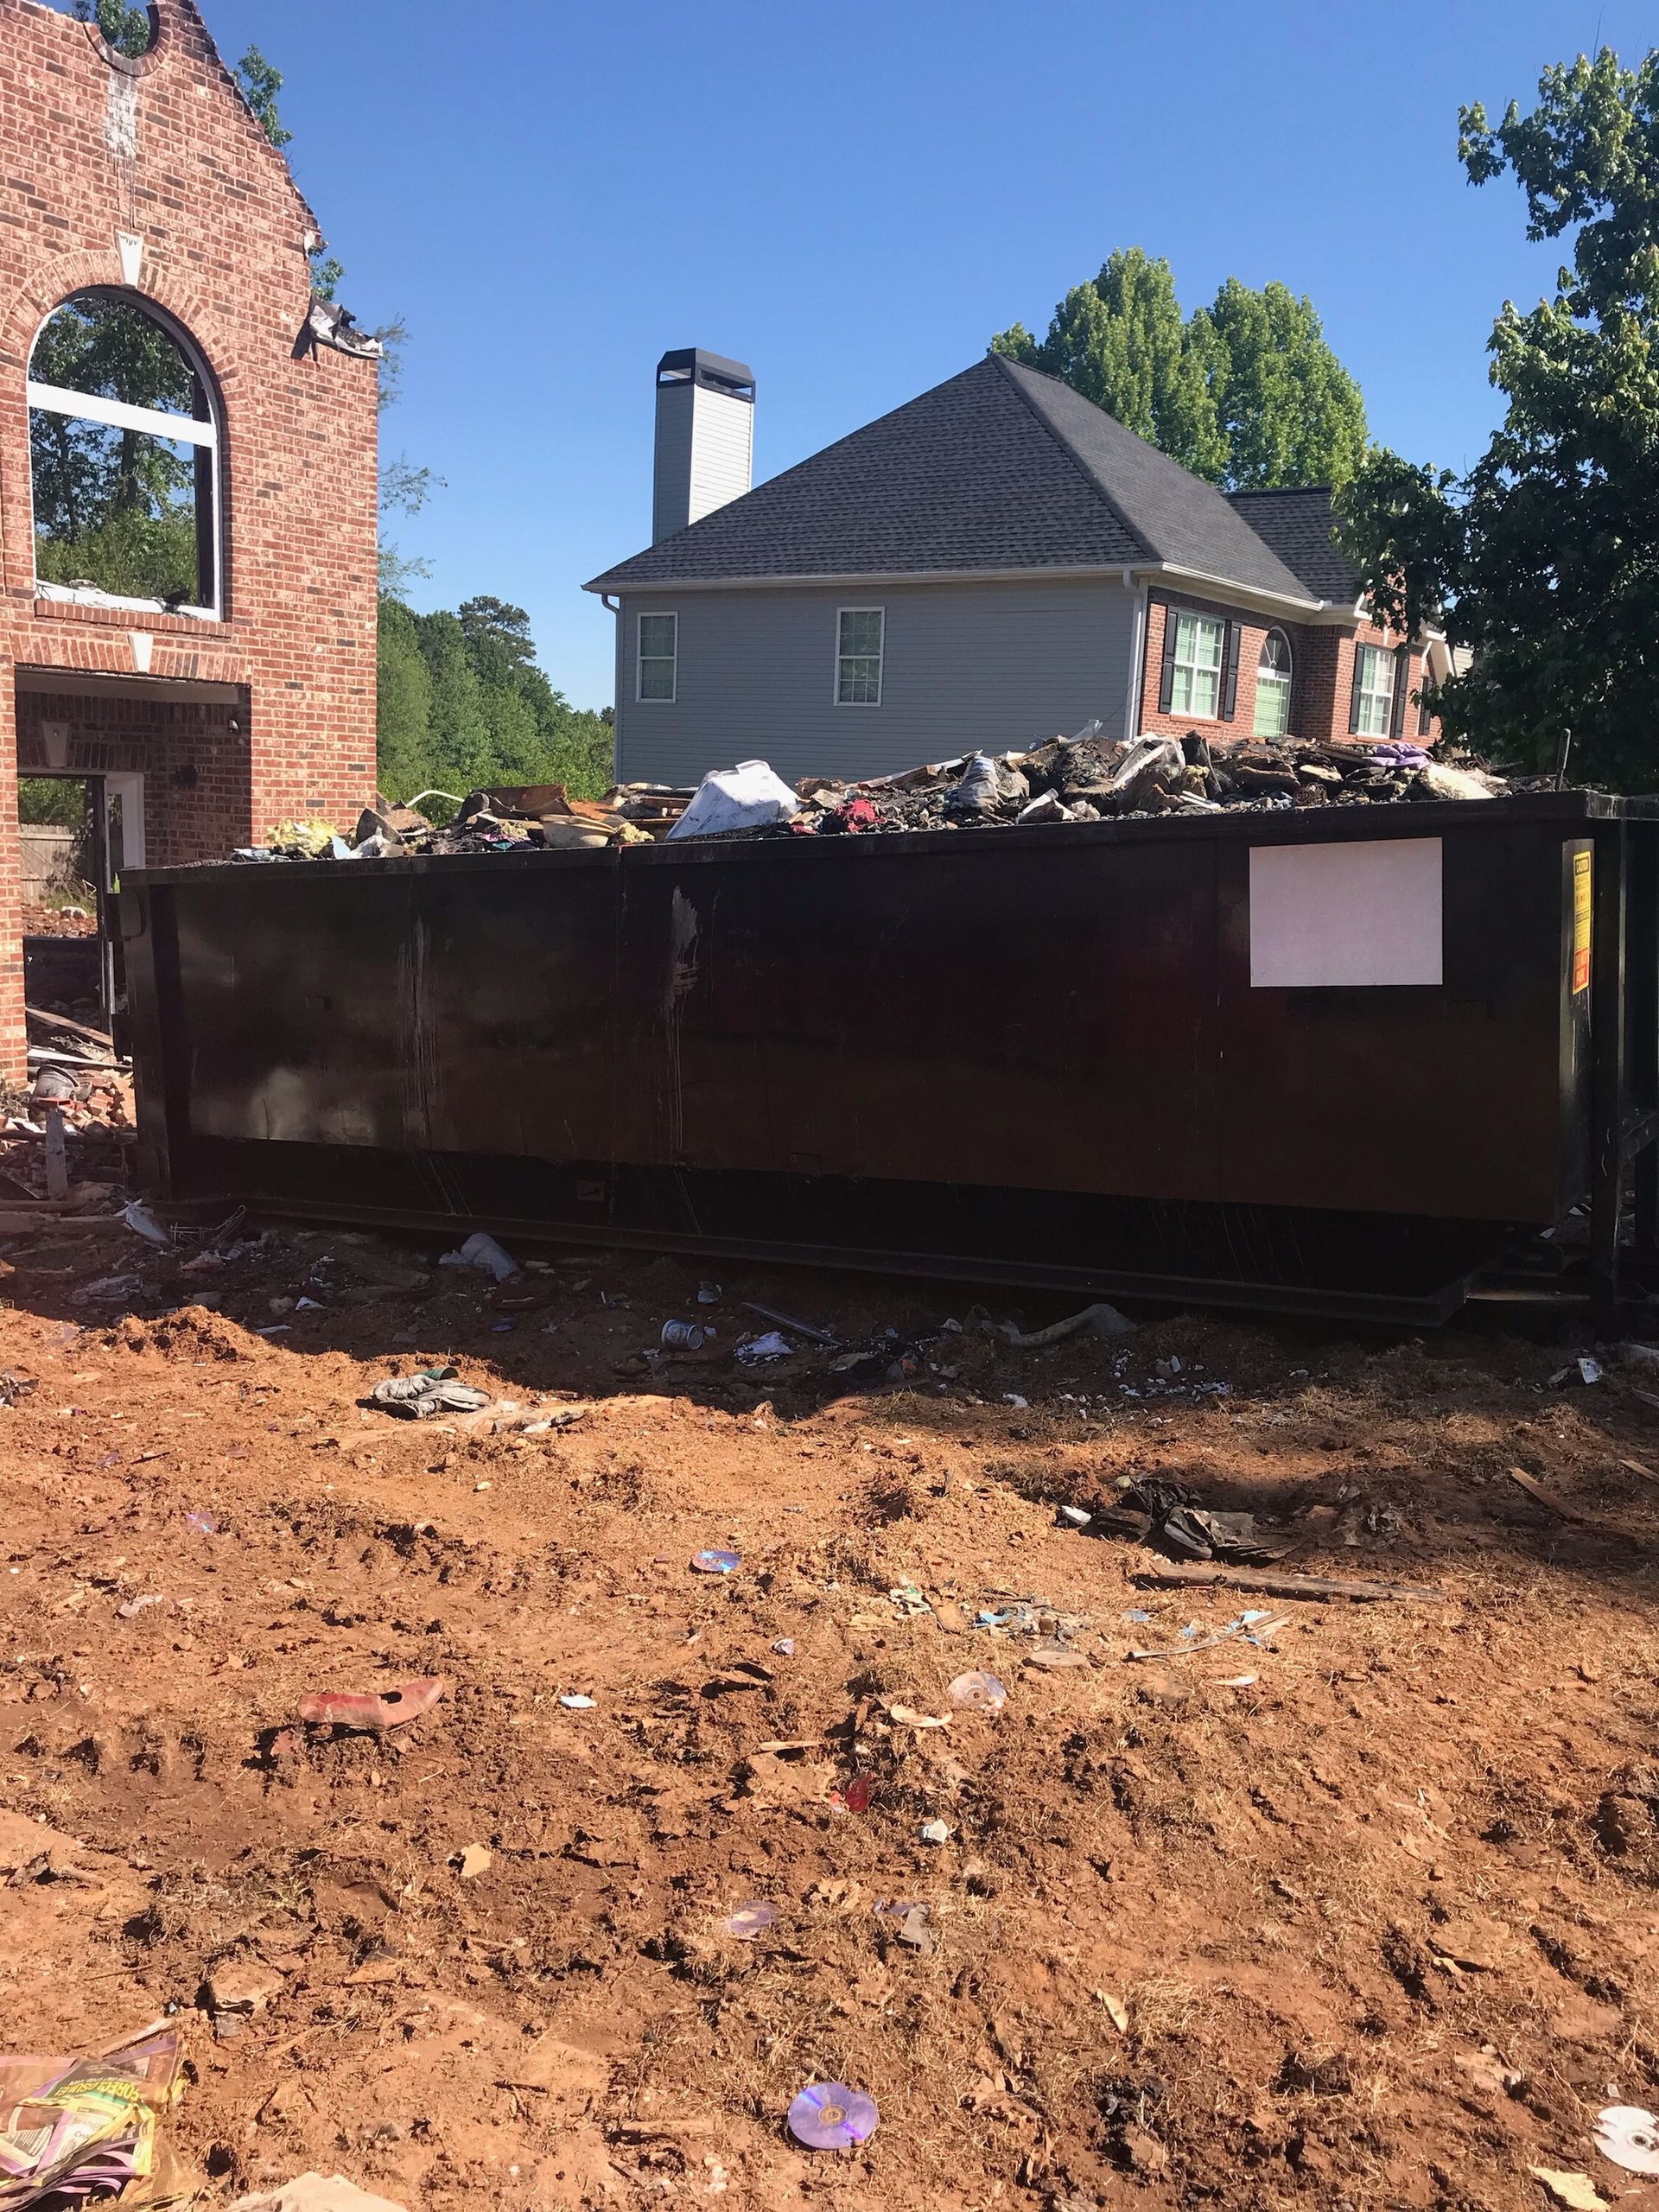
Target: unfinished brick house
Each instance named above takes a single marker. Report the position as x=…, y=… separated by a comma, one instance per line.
x=187, y=463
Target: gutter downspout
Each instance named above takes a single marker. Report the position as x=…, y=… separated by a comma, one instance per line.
x=1137, y=657
x=615, y=607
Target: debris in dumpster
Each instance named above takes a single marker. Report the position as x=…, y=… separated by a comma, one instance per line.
x=1628, y=2136
x=748, y=796
x=829, y=2116
x=72, y=2128
x=1286, y=1585
x=367, y=1711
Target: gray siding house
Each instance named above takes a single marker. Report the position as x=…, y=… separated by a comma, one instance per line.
x=974, y=569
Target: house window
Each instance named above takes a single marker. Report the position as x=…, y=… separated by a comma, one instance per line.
x=123, y=454
x=859, y=636
x=1374, y=692
x=1272, y=686
x=1195, y=689
x=659, y=640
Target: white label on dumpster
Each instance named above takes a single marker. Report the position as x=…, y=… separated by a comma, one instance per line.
x=1328, y=915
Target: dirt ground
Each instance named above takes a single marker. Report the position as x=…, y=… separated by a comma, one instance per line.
x=1362, y=1916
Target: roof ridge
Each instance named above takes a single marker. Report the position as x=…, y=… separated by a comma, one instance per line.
x=1279, y=491
x=1070, y=451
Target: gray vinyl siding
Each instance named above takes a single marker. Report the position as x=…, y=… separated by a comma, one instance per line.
x=992, y=665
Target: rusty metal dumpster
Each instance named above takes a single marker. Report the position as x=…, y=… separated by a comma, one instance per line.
x=1322, y=1060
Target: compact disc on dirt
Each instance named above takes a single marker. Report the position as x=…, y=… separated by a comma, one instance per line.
x=978, y=1692
x=717, y=1562
x=1629, y=2138
x=831, y=2117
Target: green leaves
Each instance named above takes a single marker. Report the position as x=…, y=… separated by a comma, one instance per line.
x=1546, y=554
x=259, y=84
x=1246, y=392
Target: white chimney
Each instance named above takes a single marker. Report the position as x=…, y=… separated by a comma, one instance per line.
x=705, y=437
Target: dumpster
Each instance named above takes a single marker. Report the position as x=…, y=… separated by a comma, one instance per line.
x=1325, y=1060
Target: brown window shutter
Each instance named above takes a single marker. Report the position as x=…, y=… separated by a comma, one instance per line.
x=1353, y=700
x=1166, y=681
x=1401, y=685
x=1230, y=650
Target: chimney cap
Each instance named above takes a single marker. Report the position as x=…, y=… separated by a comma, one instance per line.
x=693, y=365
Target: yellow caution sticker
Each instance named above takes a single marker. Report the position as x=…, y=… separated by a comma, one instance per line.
x=1582, y=904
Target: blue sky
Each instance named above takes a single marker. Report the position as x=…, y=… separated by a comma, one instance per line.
x=852, y=199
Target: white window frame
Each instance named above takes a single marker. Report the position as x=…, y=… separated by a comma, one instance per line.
x=150, y=423
x=1370, y=697
x=1276, y=682
x=880, y=612
x=640, y=657
x=1194, y=668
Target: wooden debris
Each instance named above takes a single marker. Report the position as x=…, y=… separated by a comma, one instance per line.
x=1273, y=1584
x=1545, y=1495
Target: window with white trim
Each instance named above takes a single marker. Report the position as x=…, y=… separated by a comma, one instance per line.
x=1196, y=685
x=1376, y=694
x=1272, y=686
x=659, y=648
x=125, y=459
x=860, y=635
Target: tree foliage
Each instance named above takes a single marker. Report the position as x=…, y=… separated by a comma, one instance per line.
x=126, y=30
x=259, y=84
x=1544, y=559
x=1246, y=392
x=463, y=703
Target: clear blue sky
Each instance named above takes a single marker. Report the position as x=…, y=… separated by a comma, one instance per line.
x=852, y=198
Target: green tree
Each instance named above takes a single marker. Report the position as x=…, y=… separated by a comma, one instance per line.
x=259, y=84
x=1246, y=392
x=127, y=29
x=1544, y=558
x=1121, y=341
x=1289, y=412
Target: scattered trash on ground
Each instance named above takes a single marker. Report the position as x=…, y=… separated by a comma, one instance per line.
x=749, y=1920
x=574, y=1702
x=316, y=2193
x=716, y=1562
x=72, y=2128
x=371, y=1711
x=1576, y=2191
x=421, y=1397
x=1285, y=1585
x=483, y=1253
x=1099, y=1320
x=829, y=2116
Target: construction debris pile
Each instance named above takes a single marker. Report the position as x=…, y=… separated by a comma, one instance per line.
x=1090, y=776
x=510, y=818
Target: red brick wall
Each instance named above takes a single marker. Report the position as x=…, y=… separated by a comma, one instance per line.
x=225, y=235
x=1322, y=674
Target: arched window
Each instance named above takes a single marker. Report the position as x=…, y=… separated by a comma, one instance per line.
x=1272, y=686
x=123, y=446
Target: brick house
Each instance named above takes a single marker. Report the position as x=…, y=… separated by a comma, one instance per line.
x=187, y=461
x=996, y=561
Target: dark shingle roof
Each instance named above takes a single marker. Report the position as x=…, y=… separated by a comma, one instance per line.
x=998, y=468
x=1298, y=525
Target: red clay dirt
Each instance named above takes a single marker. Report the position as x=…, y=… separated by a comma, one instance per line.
x=1373, y=1928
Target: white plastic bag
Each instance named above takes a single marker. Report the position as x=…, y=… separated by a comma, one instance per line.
x=748, y=797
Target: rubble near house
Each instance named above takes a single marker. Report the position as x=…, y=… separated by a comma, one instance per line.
x=1085, y=778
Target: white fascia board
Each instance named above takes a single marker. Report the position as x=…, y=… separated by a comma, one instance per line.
x=179, y=429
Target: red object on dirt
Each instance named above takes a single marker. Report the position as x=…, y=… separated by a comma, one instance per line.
x=363, y=1709
x=856, y=1797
